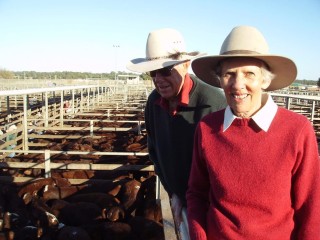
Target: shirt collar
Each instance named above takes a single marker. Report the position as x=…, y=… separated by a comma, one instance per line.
x=262, y=118
x=185, y=91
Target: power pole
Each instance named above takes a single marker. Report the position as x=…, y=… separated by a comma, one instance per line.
x=116, y=47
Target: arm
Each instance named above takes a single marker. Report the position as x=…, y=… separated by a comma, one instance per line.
x=151, y=142
x=198, y=192
x=306, y=187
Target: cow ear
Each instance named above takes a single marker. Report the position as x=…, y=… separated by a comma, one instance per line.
x=27, y=198
x=104, y=213
x=115, y=190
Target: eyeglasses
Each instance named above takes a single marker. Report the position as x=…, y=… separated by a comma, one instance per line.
x=165, y=72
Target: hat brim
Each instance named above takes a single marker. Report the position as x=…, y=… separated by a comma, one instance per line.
x=143, y=65
x=284, y=69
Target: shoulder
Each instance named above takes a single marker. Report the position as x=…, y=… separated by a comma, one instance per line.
x=212, y=122
x=150, y=104
x=207, y=91
x=154, y=95
x=202, y=85
x=293, y=121
x=213, y=117
x=291, y=116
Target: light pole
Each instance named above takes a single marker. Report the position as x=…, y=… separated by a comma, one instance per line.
x=116, y=55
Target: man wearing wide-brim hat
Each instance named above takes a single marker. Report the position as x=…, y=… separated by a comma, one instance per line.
x=173, y=109
x=255, y=171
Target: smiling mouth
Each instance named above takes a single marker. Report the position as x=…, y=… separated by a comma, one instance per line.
x=242, y=96
x=163, y=87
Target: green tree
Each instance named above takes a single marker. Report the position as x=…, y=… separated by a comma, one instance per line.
x=72, y=75
x=5, y=74
x=144, y=76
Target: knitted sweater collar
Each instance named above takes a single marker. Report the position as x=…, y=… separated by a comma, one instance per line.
x=262, y=118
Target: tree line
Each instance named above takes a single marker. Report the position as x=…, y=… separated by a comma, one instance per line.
x=5, y=74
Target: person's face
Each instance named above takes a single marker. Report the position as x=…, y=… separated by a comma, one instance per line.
x=170, y=86
x=243, y=84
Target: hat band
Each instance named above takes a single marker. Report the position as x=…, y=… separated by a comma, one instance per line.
x=174, y=56
x=239, y=52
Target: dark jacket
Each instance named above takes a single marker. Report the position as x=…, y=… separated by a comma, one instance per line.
x=170, y=138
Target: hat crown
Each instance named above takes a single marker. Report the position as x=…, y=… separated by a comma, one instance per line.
x=244, y=40
x=165, y=47
x=164, y=42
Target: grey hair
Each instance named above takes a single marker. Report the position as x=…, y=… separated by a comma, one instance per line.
x=267, y=75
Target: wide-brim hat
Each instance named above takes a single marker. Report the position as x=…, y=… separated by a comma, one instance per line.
x=246, y=41
x=165, y=47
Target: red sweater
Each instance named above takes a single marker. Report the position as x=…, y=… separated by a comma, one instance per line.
x=246, y=183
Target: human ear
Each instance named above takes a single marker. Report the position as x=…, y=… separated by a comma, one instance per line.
x=187, y=64
x=266, y=84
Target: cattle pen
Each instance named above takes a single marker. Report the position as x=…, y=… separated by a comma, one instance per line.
x=91, y=133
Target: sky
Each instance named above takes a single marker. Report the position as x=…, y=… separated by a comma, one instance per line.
x=101, y=36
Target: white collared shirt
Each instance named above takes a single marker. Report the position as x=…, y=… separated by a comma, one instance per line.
x=262, y=118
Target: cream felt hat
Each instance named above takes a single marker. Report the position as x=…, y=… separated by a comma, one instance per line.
x=247, y=41
x=165, y=47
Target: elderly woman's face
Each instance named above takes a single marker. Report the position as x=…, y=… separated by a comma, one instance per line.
x=170, y=86
x=243, y=84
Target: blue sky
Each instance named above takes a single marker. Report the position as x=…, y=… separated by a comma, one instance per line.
x=80, y=35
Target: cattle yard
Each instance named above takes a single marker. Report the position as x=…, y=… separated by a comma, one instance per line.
x=74, y=160
x=302, y=103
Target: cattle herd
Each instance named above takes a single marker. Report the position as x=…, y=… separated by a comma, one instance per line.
x=53, y=208
x=112, y=204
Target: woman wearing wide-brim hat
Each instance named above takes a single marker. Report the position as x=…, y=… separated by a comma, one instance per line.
x=255, y=172
x=173, y=109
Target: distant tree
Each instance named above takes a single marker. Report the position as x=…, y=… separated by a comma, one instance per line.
x=68, y=75
x=306, y=82
x=144, y=76
x=318, y=83
x=5, y=74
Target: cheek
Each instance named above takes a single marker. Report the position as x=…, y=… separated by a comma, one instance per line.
x=177, y=80
x=256, y=85
x=177, y=84
x=224, y=84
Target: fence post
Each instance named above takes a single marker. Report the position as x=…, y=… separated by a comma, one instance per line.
x=47, y=170
x=313, y=110
x=91, y=127
x=288, y=102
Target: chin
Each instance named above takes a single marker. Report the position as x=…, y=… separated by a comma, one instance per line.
x=240, y=112
x=166, y=95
